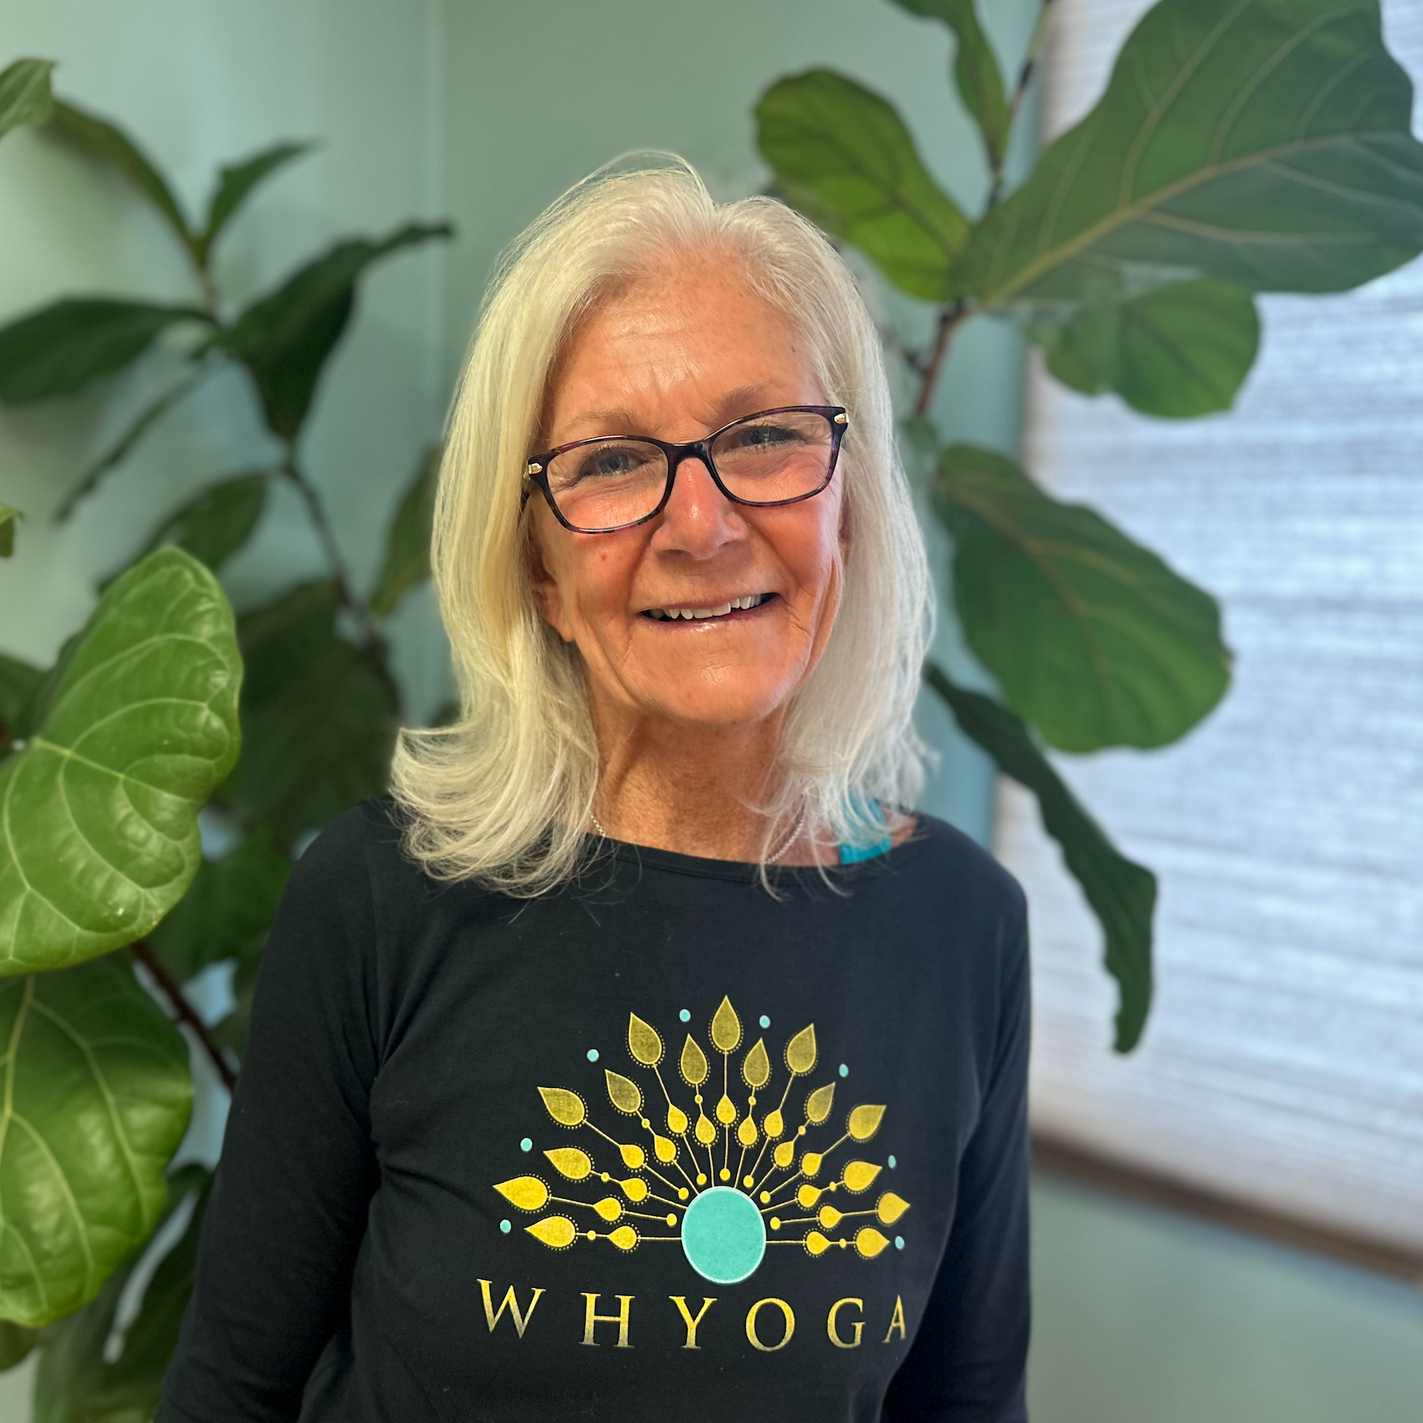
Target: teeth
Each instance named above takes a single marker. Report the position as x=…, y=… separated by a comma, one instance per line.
x=751, y=600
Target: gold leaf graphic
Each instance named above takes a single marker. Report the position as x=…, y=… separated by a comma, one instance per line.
x=556, y=1231
x=634, y=1188
x=624, y=1093
x=756, y=1068
x=634, y=1157
x=625, y=1237
x=808, y=1195
x=705, y=1131
x=869, y=1242
x=810, y=1163
x=565, y=1107
x=568, y=1161
x=829, y=1217
x=643, y=1042
x=864, y=1122
x=859, y=1175
x=746, y=1133
x=665, y=1150
x=725, y=1027
x=676, y=1120
x=774, y=1124
x=726, y=1110
x=818, y=1104
x=610, y=1208
x=815, y=1242
x=890, y=1208
x=694, y=1063
x=800, y=1051
x=784, y=1153
x=526, y=1192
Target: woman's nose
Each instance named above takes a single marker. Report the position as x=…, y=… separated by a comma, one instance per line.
x=698, y=518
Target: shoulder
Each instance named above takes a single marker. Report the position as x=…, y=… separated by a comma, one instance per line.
x=943, y=855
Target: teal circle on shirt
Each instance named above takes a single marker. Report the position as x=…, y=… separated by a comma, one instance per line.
x=765, y=1021
x=723, y=1236
x=592, y=1054
x=685, y=1016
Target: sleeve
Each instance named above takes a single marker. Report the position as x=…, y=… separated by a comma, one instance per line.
x=288, y=1207
x=968, y=1362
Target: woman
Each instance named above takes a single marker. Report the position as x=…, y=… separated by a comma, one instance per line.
x=638, y=1060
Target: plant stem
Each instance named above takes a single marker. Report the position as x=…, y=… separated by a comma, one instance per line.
x=340, y=576
x=1025, y=74
x=184, y=1010
x=949, y=318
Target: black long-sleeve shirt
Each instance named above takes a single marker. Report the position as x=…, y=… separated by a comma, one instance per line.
x=656, y=1146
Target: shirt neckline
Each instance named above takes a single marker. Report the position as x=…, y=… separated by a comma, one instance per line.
x=703, y=867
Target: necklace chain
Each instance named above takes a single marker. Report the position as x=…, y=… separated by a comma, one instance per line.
x=770, y=859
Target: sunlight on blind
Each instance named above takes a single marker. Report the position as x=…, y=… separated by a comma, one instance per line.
x=1283, y=1063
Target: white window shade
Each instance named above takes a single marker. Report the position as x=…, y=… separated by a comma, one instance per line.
x=1283, y=1062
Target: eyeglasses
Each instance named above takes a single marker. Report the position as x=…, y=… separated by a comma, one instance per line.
x=614, y=482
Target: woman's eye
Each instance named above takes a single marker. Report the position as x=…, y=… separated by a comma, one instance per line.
x=764, y=437
x=610, y=462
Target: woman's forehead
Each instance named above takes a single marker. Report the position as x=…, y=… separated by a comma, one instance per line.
x=696, y=338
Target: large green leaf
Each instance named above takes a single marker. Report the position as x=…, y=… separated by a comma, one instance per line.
x=98, y=814
x=236, y=183
x=25, y=99
x=7, y=530
x=110, y=144
x=976, y=71
x=843, y=156
x=228, y=910
x=64, y=347
x=1122, y=893
x=407, y=554
x=1178, y=350
x=76, y=1381
x=285, y=337
x=1092, y=637
x=217, y=521
x=1262, y=142
x=318, y=716
x=96, y=1099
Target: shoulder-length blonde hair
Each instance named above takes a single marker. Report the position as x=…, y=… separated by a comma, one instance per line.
x=503, y=795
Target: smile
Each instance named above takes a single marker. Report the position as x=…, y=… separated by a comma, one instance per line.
x=724, y=610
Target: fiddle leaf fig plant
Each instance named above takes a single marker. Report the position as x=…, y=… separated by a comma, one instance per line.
x=1241, y=146
x=138, y=850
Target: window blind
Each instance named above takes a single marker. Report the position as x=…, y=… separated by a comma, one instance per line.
x=1283, y=1063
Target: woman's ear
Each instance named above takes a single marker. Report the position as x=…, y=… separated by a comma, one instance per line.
x=548, y=596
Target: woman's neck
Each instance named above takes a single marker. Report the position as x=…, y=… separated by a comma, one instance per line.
x=692, y=788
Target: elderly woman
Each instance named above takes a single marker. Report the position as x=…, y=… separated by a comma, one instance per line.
x=640, y=1058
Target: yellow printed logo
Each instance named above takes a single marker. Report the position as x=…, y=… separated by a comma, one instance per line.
x=725, y=1185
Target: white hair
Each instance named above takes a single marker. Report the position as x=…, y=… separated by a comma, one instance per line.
x=502, y=795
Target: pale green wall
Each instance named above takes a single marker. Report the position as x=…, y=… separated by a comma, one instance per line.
x=485, y=112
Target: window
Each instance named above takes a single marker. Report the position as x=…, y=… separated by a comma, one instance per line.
x=1283, y=1064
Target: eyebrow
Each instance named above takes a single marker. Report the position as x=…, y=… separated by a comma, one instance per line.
x=621, y=421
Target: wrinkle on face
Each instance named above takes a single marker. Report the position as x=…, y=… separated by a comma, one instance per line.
x=675, y=356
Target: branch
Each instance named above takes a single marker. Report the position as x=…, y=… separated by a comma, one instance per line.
x=184, y=1010
x=340, y=576
x=949, y=318
x=1029, y=66
x=121, y=450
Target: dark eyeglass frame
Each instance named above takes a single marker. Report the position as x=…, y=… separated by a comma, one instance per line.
x=536, y=472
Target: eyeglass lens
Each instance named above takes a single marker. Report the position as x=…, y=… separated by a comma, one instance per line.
x=764, y=459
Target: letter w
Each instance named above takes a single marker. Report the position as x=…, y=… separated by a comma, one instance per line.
x=510, y=1303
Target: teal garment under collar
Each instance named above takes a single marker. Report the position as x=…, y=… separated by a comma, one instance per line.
x=853, y=854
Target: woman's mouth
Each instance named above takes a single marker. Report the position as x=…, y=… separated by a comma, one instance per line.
x=734, y=609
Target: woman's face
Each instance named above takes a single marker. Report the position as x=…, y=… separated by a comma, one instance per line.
x=676, y=356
